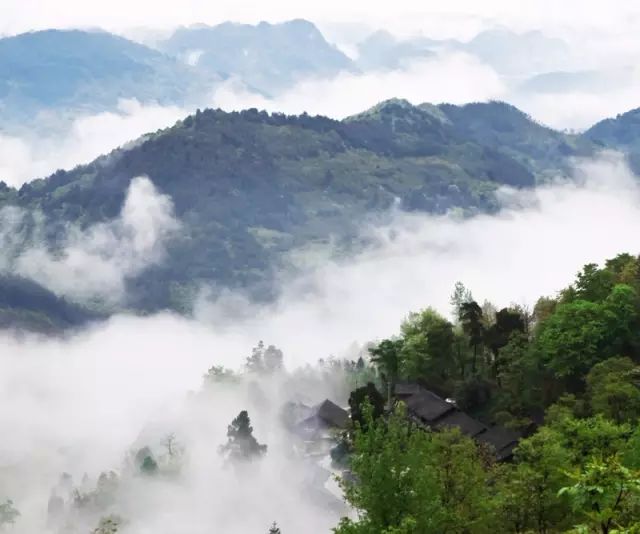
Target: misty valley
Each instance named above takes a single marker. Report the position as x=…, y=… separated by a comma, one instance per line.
x=304, y=269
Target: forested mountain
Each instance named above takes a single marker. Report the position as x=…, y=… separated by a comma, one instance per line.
x=58, y=70
x=266, y=57
x=622, y=133
x=251, y=187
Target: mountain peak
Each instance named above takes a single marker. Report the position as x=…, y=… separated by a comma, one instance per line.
x=386, y=107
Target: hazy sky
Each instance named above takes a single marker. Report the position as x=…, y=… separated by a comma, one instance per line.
x=454, y=17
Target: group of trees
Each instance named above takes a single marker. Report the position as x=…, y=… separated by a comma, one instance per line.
x=566, y=375
x=512, y=363
x=572, y=475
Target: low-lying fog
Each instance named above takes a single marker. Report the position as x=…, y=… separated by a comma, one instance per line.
x=79, y=404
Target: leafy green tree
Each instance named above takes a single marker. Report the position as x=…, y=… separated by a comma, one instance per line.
x=508, y=322
x=631, y=451
x=461, y=484
x=607, y=494
x=581, y=333
x=8, y=513
x=392, y=483
x=613, y=389
x=572, y=338
x=241, y=444
x=544, y=308
x=411, y=481
x=521, y=378
x=428, y=347
x=471, y=319
x=526, y=491
x=387, y=358
x=625, y=269
x=362, y=396
x=591, y=436
x=460, y=296
x=593, y=283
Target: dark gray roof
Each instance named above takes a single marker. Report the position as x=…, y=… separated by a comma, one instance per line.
x=457, y=419
x=403, y=390
x=430, y=409
x=506, y=453
x=499, y=438
x=293, y=413
x=428, y=406
x=332, y=414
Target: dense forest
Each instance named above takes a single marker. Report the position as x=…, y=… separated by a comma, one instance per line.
x=565, y=374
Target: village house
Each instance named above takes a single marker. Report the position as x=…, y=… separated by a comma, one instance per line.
x=431, y=411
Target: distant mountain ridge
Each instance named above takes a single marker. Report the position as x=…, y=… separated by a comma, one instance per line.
x=56, y=70
x=76, y=72
x=267, y=57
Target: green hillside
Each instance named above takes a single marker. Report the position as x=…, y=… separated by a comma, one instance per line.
x=251, y=187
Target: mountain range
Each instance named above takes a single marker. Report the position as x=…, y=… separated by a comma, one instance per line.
x=256, y=193
x=71, y=72
x=66, y=73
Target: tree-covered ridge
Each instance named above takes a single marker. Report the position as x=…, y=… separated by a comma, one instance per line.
x=251, y=186
x=619, y=133
x=566, y=374
x=25, y=305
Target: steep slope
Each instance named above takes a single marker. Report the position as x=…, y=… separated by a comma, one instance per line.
x=85, y=71
x=619, y=133
x=502, y=126
x=266, y=57
x=25, y=305
x=251, y=187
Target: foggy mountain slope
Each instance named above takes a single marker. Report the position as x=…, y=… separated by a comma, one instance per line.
x=509, y=53
x=86, y=71
x=622, y=133
x=70, y=72
x=249, y=187
x=25, y=305
x=267, y=57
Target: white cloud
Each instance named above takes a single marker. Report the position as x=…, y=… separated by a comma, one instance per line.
x=455, y=78
x=580, y=109
x=38, y=154
x=533, y=247
x=94, y=263
x=91, y=398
